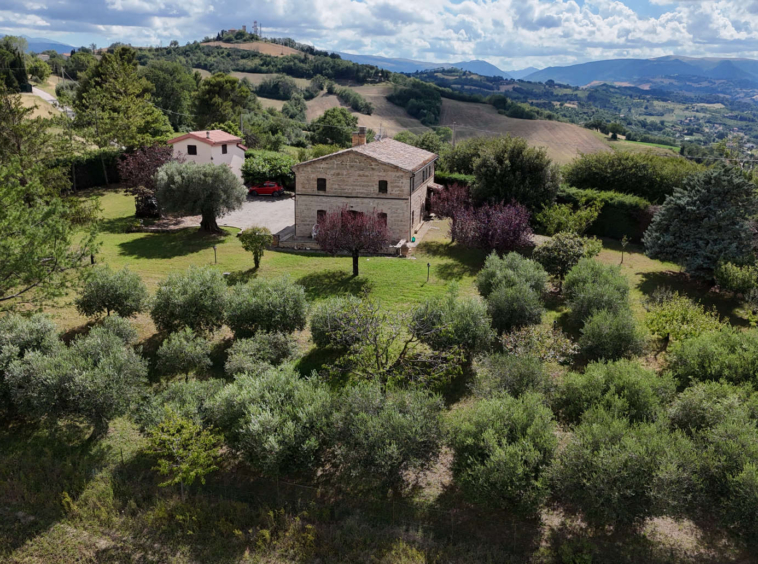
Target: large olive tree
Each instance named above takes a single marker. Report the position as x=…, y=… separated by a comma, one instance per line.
x=208, y=190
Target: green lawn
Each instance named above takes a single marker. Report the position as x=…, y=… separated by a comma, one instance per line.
x=396, y=282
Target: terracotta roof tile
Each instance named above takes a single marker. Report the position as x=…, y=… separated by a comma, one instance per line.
x=212, y=137
x=389, y=151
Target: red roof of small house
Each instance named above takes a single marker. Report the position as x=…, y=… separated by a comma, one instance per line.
x=211, y=137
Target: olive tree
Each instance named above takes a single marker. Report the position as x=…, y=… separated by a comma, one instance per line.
x=107, y=291
x=279, y=421
x=97, y=378
x=207, y=190
x=381, y=436
x=266, y=305
x=195, y=298
x=184, y=352
x=502, y=447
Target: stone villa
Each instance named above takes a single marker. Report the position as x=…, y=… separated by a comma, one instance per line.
x=386, y=177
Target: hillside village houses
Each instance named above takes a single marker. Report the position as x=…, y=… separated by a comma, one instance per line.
x=387, y=177
x=214, y=146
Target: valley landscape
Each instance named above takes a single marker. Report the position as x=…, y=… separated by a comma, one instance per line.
x=267, y=302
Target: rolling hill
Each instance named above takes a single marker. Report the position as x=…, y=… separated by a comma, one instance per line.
x=39, y=44
x=563, y=141
x=636, y=71
x=410, y=66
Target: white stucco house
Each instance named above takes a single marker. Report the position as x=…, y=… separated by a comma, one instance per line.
x=214, y=146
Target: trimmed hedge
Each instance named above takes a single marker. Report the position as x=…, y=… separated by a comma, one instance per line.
x=87, y=169
x=450, y=178
x=621, y=214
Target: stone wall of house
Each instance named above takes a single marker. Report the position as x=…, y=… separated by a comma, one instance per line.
x=308, y=205
x=418, y=201
x=352, y=180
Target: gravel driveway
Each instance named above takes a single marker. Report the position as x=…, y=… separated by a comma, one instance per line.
x=263, y=211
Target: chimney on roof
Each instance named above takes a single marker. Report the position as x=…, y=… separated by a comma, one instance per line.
x=207, y=134
x=359, y=137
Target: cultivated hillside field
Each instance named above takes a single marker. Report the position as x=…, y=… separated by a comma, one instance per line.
x=260, y=46
x=390, y=118
x=563, y=141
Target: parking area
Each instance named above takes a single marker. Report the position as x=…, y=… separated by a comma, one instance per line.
x=263, y=211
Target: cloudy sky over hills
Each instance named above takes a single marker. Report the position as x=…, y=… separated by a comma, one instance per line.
x=508, y=33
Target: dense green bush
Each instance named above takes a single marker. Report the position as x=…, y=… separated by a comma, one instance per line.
x=261, y=166
x=279, y=422
x=97, y=378
x=677, y=318
x=624, y=388
x=351, y=98
x=512, y=307
x=615, y=472
x=186, y=399
x=120, y=327
x=548, y=344
x=278, y=87
x=20, y=335
x=260, y=351
x=381, y=436
x=460, y=159
x=266, y=305
x=706, y=404
x=107, y=291
x=508, y=169
x=510, y=270
x=514, y=375
x=592, y=286
x=621, y=215
x=195, y=298
x=451, y=178
x=452, y=321
x=341, y=322
x=609, y=335
x=184, y=352
x=502, y=447
x=728, y=354
x=255, y=240
x=420, y=99
x=563, y=252
x=567, y=218
x=736, y=278
x=649, y=176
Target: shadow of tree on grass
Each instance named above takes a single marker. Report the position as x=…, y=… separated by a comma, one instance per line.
x=169, y=245
x=329, y=283
x=697, y=291
x=460, y=261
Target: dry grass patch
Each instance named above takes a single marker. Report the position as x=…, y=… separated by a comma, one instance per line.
x=261, y=46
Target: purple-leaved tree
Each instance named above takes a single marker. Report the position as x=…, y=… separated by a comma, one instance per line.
x=352, y=232
x=451, y=203
x=498, y=227
x=137, y=171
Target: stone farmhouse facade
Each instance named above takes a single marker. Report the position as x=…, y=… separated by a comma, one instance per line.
x=388, y=178
x=214, y=146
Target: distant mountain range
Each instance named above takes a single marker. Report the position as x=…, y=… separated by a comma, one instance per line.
x=638, y=71
x=410, y=66
x=38, y=44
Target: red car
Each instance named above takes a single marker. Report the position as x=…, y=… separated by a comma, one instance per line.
x=267, y=189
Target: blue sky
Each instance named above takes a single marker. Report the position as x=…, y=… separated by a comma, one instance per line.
x=508, y=33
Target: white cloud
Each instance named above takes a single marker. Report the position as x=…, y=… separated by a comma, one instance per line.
x=509, y=33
